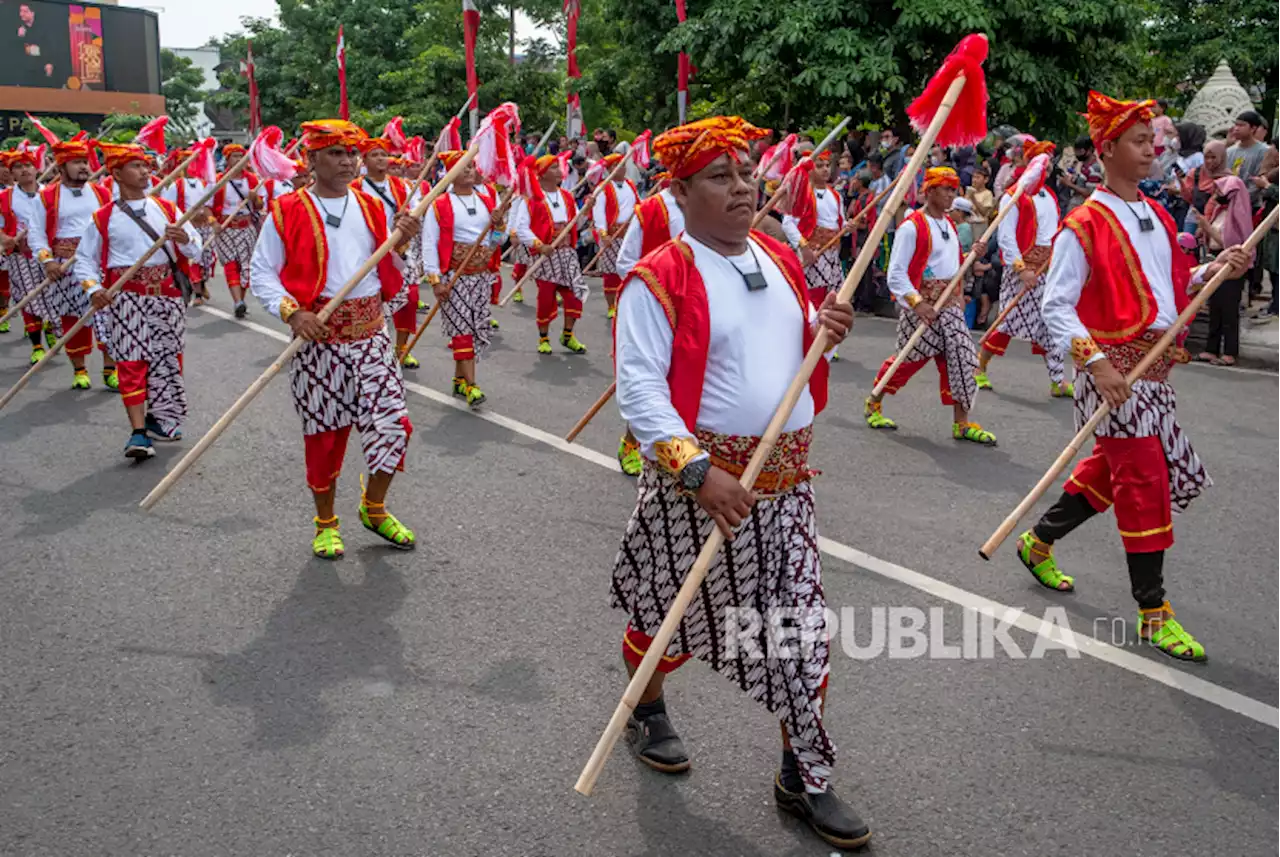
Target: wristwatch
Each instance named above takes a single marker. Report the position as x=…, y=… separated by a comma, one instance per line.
x=693, y=474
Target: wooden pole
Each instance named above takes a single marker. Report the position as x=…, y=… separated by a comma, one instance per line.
x=564, y=233
x=1162, y=344
x=711, y=547
x=777, y=194
x=851, y=225
x=259, y=385
x=114, y=290
x=969, y=259
x=34, y=293
x=1004, y=313
x=173, y=175
x=591, y=413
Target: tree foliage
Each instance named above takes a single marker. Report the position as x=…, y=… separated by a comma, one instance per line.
x=180, y=83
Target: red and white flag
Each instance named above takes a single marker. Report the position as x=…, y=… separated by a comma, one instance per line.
x=682, y=70
x=572, y=9
x=470, y=29
x=250, y=72
x=151, y=135
x=344, y=109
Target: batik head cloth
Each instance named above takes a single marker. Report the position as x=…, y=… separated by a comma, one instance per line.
x=1109, y=117
x=940, y=177
x=119, y=154
x=686, y=149
x=324, y=133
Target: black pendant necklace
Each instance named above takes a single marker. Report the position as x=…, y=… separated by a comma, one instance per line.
x=76, y=192
x=1145, y=224
x=753, y=280
x=942, y=228
x=470, y=209
x=329, y=218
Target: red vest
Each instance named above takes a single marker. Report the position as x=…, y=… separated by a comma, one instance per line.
x=611, y=202
x=655, y=224
x=51, y=196
x=219, y=208
x=302, y=231
x=6, y=211
x=809, y=213
x=1028, y=222
x=546, y=229
x=102, y=220
x=1116, y=303
x=672, y=277
x=444, y=217
x=920, y=258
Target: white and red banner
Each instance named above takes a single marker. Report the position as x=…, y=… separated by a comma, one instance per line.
x=682, y=73
x=572, y=9
x=470, y=30
x=255, y=107
x=344, y=108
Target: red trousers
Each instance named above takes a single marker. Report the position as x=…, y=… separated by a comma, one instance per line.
x=132, y=375
x=4, y=287
x=1132, y=474
x=612, y=284
x=635, y=644
x=547, y=310
x=232, y=272
x=496, y=294
x=464, y=347
x=82, y=342
x=518, y=272
x=910, y=368
x=406, y=318
x=31, y=323
x=998, y=343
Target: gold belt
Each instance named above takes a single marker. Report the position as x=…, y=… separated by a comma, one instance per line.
x=356, y=319
x=1126, y=355
x=479, y=262
x=931, y=290
x=1037, y=258
x=785, y=468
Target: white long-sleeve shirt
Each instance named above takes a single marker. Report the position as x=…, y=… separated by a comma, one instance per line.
x=626, y=207
x=943, y=262
x=350, y=244
x=24, y=209
x=74, y=214
x=128, y=243
x=633, y=240
x=756, y=348
x=1046, y=226
x=1069, y=268
x=521, y=222
x=193, y=191
x=828, y=216
x=467, y=227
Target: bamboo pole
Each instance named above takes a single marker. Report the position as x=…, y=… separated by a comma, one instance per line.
x=173, y=174
x=114, y=290
x=1004, y=313
x=333, y=303
x=1148, y=360
x=34, y=293
x=711, y=547
x=851, y=225
x=591, y=413
x=777, y=194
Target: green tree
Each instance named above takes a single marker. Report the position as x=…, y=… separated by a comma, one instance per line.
x=180, y=83
x=63, y=127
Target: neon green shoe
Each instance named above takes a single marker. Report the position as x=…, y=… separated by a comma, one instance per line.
x=388, y=528
x=1038, y=558
x=328, y=542
x=81, y=380
x=972, y=432
x=4, y=326
x=569, y=341
x=475, y=397
x=408, y=361
x=111, y=378
x=50, y=337
x=518, y=297
x=493, y=324
x=835, y=355
x=1062, y=391
x=1158, y=628
x=876, y=419
x=629, y=457
x=422, y=305
x=544, y=345
x=37, y=354
x=460, y=387
x=984, y=383
x=612, y=313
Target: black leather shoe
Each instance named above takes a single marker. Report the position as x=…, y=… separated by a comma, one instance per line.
x=829, y=816
x=655, y=742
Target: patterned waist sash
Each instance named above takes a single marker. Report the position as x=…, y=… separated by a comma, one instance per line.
x=65, y=248
x=821, y=237
x=1037, y=258
x=240, y=221
x=356, y=319
x=931, y=290
x=479, y=262
x=1127, y=355
x=154, y=280
x=786, y=467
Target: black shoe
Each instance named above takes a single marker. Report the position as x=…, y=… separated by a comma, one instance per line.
x=241, y=310
x=655, y=742
x=829, y=816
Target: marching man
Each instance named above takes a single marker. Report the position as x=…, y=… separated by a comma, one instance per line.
x=17, y=208
x=1117, y=281
x=817, y=216
x=186, y=191
x=610, y=216
x=347, y=374
x=235, y=242
x=926, y=255
x=1025, y=238
x=455, y=221
x=711, y=329
x=60, y=217
x=148, y=318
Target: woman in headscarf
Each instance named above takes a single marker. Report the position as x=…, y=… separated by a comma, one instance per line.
x=1227, y=222
x=1197, y=187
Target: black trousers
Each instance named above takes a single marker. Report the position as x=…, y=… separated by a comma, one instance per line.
x=1146, y=570
x=1224, y=320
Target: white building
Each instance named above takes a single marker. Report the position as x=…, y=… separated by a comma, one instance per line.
x=207, y=60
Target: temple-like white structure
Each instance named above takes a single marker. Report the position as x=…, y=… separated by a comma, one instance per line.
x=1219, y=102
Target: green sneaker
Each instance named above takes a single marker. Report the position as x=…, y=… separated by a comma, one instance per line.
x=111, y=378
x=629, y=457
x=493, y=324
x=389, y=528
x=874, y=417
x=569, y=341
x=4, y=326
x=544, y=345
x=50, y=338
x=835, y=355
x=460, y=386
x=422, y=305
x=475, y=397
x=612, y=313
x=518, y=297
x=972, y=432
x=1062, y=391
x=1158, y=628
x=984, y=383
x=81, y=380
x=1038, y=558
x=328, y=542
x=408, y=361
x=37, y=354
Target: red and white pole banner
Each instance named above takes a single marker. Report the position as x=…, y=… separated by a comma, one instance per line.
x=255, y=106
x=576, y=127
x=344, y=108
x=682, y=74
x=471, y=29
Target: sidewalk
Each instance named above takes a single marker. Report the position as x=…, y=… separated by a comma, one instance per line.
x=1260, y=344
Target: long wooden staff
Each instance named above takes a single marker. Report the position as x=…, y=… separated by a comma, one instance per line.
x=777, y=194
x=969, y=259
x=591, y=413
x=604, y=245
x=219, y=227
x=711, y=547
x=174, y=174
x=851, y=225
x=247, y=397
x=1162, y=344
x=564, y=233
x=120, y=284
x=435, y=154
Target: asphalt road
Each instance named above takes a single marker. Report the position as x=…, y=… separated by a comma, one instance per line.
x=191, y=682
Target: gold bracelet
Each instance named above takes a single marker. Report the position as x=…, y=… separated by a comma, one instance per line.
x=288, y=306
x=804, y=242
x=44, y=256
x=1019, y=266
x=1082, y=350
x=914, y=299
x=433, y=280
x=88, y=285
x=674, y=454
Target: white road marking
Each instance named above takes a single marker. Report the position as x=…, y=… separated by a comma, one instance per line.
x=1167, y=675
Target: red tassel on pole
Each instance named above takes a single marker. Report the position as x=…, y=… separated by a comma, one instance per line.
x=967, y=123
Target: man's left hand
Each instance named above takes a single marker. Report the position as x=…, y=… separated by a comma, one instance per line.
x=175, y=233
x=979, y=249
x=408, y=226
x=1234, y=258
x=836, y=317
x=101, y=298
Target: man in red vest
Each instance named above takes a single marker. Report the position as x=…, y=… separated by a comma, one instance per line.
x=396, y=195
x=148, y=318
x=1117, y=281
x=816, y=216
x=185, y=192
x=926, y=254
x=17, y=205
x=452, y=225
x=540, y=217
x=1025, y=238
x=235, y=242
x=610, y=215
x=711, y=330
x=312, y=243
x=62, y=213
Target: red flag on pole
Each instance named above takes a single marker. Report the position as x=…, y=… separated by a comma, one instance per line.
x=682, y=74
x=575, y=125
x=470, y=29
x=344, y=109
x=255, y=108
